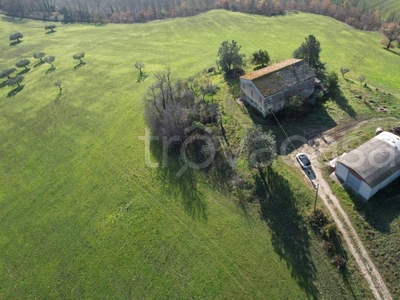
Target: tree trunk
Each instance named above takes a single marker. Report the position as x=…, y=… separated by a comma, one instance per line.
x=388, y=45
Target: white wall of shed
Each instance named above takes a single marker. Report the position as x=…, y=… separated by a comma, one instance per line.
x=365, y=190
x=341, y=171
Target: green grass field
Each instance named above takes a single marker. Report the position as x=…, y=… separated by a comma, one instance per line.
x=83, y=217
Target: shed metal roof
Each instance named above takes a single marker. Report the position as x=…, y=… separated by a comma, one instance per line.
x=375, y=160
x=276, y=78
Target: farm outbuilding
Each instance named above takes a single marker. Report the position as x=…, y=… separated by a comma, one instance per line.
x=268, y=88
x=372, y=166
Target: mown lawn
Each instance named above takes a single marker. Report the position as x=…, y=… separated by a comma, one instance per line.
x=83, y=217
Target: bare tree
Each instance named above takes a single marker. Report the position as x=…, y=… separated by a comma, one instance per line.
x=58, y=84
x=391, y=32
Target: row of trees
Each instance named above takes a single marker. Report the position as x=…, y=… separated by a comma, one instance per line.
x=230, y=58
x=24, y=63
x=357, y=13
x=230, y=61
x=16, y=36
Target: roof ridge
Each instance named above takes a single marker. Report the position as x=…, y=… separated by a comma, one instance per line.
x=272, y=69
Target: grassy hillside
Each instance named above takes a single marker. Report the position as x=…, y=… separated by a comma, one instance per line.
x=82, y=216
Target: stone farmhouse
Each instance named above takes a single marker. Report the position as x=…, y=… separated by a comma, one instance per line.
x=268, y=88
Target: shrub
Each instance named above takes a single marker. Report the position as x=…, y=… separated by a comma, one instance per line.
x=329, y=247
x=332, y=81
x=50, y=27
x=318, y=220
x=16, y=36
x=339, y=262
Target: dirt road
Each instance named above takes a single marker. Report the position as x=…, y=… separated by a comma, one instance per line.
x=344, y=225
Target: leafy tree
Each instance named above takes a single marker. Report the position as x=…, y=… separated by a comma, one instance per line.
x=332, y=81
x=293, y=105
x=344, y=70
x=50, y=27
x=16, y=36
x=49, y=59
x=15, y=81
x=310, y=51
x=39, y=55
x=79, y=56
x=7, y=73
x=208, y=89
x=391, y=32
x=139, y=65
x=361, y=78
x=230, y=57
x=261, y=57
x=23, y=63
x=58, y=84
x=260, y=147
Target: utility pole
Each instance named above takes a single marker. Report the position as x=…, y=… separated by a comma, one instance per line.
x=316, y=195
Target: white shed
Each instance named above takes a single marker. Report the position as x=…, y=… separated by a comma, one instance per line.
x=372, y=166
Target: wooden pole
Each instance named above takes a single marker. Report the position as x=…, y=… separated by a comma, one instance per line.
x=316, y=196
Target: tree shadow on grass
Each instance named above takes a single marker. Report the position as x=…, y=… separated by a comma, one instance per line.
x=24, y=71
x=142, y=76
x=51, y=70
x=15, y=91
x=79, y=65
x=343, y=104
x=290, y=238
x=258, y=67
x=3, y=84
x=15, y=43
x=392, y=51
x=183, y=187
x=14, y=20
x=382, y=209
x=234, y=87
x=38, y=64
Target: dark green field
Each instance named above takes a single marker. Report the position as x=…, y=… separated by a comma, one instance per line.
x=81, y=215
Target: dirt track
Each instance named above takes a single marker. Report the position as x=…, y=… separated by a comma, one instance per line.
x=344, y=225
